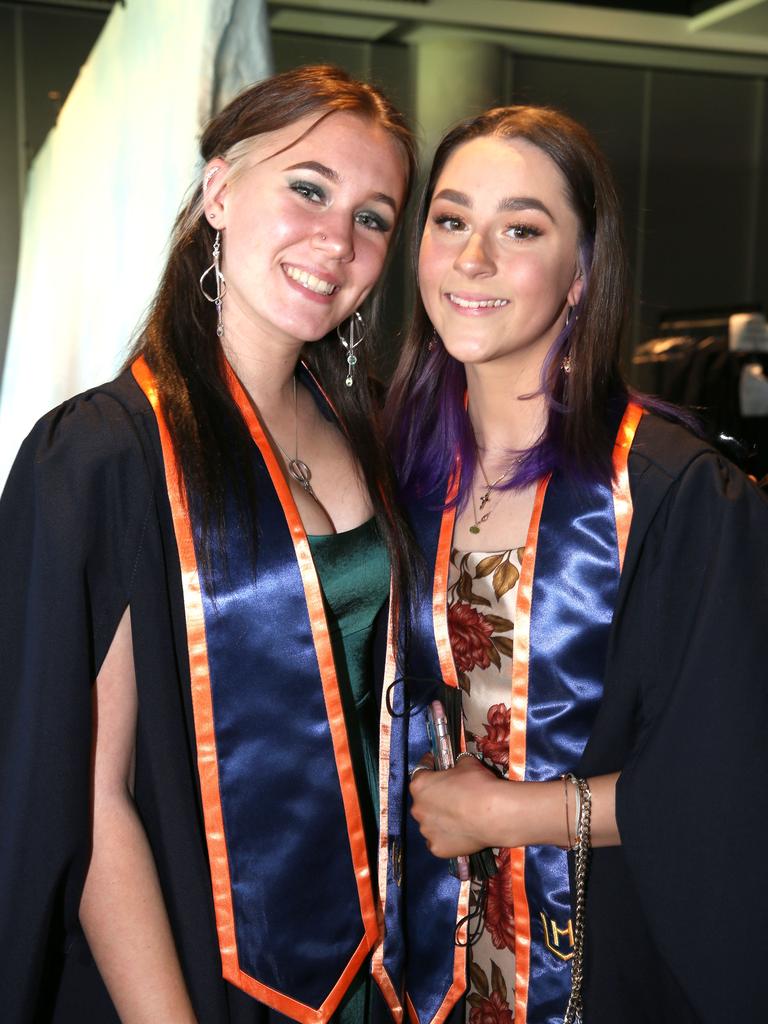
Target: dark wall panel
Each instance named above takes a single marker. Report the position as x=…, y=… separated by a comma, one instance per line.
x=761, y=235
x=41, y=51
x=55, y=46
x=387, y=65
x=699, y=193
x=391, y=69
x=9, y=174
x=607, y=99
x=290, y=51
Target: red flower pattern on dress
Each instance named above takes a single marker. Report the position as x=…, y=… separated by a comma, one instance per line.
x=499, y=911
x=495, y=744
x=492, y=1011
x=470, y=634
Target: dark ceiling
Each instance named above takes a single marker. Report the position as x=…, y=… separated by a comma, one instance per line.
x=87, y=6
x=679, y=7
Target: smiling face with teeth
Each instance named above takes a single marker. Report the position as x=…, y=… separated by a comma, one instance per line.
x=305, y=227
x=498, y=263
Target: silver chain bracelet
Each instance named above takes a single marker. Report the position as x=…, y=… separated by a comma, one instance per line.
x=582, y=848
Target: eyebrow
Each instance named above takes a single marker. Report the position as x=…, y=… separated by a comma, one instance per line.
x=510, y=203
x=382, y=197
x=312, y=165
x=330, y=175
x=525, y=203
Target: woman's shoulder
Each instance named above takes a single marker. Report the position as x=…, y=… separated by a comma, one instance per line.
x=666, y=454
x=100, y=423
x=101, y=438
x=670, y=467
x=667, y=447
x=101, y=417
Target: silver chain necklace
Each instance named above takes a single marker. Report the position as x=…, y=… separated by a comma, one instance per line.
x=298, y=469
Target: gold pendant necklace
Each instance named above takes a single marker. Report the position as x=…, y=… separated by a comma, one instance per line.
x=484, y=498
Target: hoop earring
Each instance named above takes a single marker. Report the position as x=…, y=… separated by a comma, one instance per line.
x=355, y=333
x=221, y=284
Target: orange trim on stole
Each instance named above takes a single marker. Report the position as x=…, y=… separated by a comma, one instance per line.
x=622, y=496
x=380, y=975
x=325, y=660
x=207, y=764
x=450, y=678
x=413, y=1017
x=203, y=715
x=390, y=669
x=459, y=983
x=622, y=500
x=517, y=749
x=440, y=587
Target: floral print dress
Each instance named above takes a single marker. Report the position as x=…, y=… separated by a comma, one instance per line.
x=482, y=591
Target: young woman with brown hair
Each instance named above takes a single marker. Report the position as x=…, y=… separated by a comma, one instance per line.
x=209, y=539
x=596, y=613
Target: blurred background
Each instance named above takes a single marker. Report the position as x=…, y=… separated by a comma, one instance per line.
x=674, y=91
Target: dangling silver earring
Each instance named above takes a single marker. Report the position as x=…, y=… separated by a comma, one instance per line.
x=221, y=284
x=355, y=333
x=566, y=364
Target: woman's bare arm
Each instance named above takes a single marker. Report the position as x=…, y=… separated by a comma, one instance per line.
x=122, y=910
x=468, y=808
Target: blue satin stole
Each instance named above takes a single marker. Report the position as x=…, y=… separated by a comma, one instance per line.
x=289, y=868
x=566, y=598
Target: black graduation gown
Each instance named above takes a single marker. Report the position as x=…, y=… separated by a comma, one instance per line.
x=87, y=530
x=677, y=916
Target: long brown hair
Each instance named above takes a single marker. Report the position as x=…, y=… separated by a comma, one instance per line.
x=179, y=339
x=428, y=422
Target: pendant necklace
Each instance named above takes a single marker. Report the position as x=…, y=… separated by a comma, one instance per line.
x=299, y=470
x=484, y=498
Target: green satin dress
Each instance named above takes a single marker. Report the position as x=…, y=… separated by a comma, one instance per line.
x=353, y=569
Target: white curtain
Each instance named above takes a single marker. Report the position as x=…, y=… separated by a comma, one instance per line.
x=103, y=193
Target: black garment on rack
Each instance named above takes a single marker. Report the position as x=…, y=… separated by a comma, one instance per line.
x=702, y=374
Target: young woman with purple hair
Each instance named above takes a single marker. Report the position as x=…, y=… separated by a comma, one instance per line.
x=591, y=561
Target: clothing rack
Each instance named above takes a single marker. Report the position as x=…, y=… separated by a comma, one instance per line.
x=697, y=360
